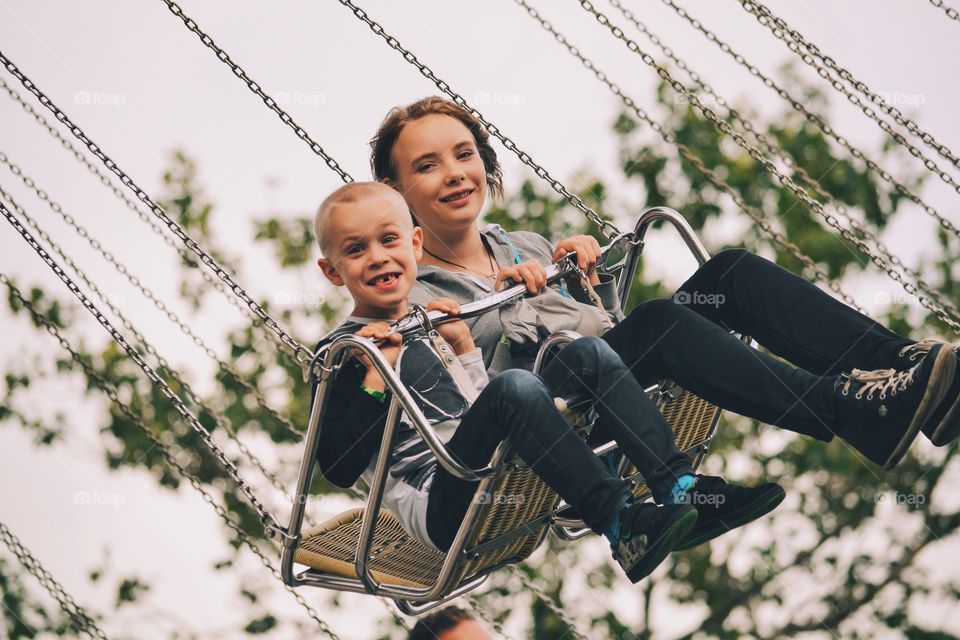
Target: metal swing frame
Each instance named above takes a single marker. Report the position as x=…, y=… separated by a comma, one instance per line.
x=483, y=542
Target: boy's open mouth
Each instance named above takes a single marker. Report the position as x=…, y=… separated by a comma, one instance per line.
x=457, y=195
x=384, y=279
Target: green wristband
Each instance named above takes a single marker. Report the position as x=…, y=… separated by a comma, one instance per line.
x=379, y=395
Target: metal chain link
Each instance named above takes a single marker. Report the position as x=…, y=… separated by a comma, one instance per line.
x=301, y=353
x=164, y=449
x=816, y=119
x=78, y=616
x=147, y=293
x=795, y=42
x=478, y=606
x=772, y=147
x=266, y=517
x=267, y=100
x=606, y=227
x=221, y=421
x=952, y=13
x=801, y=194
x=545, y=598
x=690, y=156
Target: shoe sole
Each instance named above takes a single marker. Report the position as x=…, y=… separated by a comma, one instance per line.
x=949, y=428
x=746, y=514
x=678, y=527
x=941, y=377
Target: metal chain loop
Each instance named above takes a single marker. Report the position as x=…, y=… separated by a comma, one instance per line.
x=147, y=293
x=606, y=227
x=78, y=616
x=253, y=86
x=815, y=205
x=773, y=148
x=266, y=517
x=164, y=449
x=221, y=421
x=809, y=53
x=545, y=598
x=690, y=156
x=952, y=13
x=301, y=353
x=816, y=119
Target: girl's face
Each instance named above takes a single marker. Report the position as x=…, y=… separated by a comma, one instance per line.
x=440, y=173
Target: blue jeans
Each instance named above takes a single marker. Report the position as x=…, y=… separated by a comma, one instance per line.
x=686, y=339
x=518, y=406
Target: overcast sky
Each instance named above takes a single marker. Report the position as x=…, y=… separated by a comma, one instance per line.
x=141, y=85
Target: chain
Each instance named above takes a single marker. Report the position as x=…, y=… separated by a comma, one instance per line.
x=688, y=154
x=815, y=119
x=478, y=606
x=267, y=100
x=267, y=518
x=795, y=42
x=302, y=354
x=170, y=457
x=773, y=148
x=220, y=421
x=74, y=611
x=545, y=598
x=606, y=227
x=147, y=293
x=755, y=153
x=952, y=13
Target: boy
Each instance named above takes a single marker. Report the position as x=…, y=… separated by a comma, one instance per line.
x=371, y=247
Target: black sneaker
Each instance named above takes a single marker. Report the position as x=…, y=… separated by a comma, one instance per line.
x=880, y=412
x=722, y=507
x=648, y=534
x=943, y=427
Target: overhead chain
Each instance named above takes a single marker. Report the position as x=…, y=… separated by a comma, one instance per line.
x=547, y=600
x=253, y=86
x=164, y=449
x=301, y=353
x=952, y=13
x=78, y=616
x=606, y=227
x=266, y=517
x=147, y=293
x=690, y=156
x=801, y=194
x=816, y=119
x=196, y=399
x=147, y=219
x=809, y=53
x=772, y=147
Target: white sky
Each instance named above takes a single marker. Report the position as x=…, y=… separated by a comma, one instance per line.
x=153, y=87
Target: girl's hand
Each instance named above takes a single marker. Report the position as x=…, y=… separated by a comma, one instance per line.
x=390, y=350
x=530, y=273
x=455, y=332
x=588, y=253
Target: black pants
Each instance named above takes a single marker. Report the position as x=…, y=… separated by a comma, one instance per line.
x=518, y=405
x=686, y=339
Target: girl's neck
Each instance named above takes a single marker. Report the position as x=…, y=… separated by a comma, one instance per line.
x=465, y=248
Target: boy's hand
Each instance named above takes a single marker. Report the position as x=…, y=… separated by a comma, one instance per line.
x=455, y=332
x=530, y=273
x=390, y=349
x=588, y=253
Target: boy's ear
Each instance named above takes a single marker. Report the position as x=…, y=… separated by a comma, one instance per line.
x=417, y=237
x=330, y=271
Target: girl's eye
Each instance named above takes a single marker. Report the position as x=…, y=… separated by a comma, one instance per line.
x=465, y=154
x=426, y=166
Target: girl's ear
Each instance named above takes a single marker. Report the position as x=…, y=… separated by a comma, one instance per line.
x=330, y=271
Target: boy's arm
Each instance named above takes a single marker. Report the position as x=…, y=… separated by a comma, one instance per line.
x=351, y=430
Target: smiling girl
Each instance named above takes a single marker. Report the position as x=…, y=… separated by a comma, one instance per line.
x=438, y=156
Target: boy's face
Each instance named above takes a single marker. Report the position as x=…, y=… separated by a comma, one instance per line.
x=374, y=250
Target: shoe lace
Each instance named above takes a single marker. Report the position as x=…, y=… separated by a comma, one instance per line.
x=918, y=350
x=879, y=380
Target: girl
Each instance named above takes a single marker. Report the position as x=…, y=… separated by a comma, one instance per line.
x=438, y=156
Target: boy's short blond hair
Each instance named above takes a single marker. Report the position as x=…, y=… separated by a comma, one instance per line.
x=352, y=192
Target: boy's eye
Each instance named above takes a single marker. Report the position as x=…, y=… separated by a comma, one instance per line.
x=354, y=248
x=390, y=238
